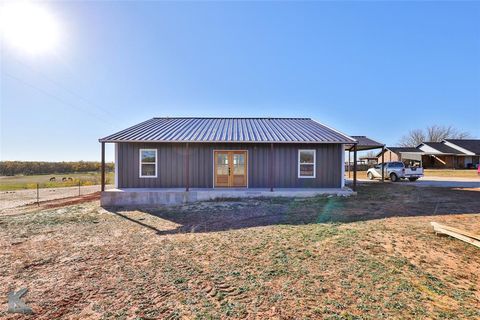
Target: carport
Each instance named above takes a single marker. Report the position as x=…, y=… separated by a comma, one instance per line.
x=413, y=156
x=363, y=144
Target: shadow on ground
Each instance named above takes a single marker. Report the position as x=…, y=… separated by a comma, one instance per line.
x=374, y=201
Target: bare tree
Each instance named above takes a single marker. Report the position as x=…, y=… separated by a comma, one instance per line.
x=413, y=138
x=434, y=133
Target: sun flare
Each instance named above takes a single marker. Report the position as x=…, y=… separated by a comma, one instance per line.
x=29, y=27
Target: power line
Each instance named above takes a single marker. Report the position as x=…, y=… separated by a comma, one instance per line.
x=76, y=107
x=105, y=111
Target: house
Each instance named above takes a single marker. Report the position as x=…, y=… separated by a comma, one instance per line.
x=396, y=153
x=439, y=155
x=448, y=154
x=189, y=156
x=470, y=149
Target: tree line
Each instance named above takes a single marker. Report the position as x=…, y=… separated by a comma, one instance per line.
x=11, y=168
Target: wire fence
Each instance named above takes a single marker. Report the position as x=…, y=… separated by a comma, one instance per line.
x=35, y=193
x=360, y=167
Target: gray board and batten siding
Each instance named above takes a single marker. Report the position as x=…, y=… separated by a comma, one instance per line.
x=171, y=164
x=170, y=136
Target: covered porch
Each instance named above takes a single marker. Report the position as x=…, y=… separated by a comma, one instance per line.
x=131, y=196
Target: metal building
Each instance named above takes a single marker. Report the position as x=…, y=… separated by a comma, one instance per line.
x=234, y=153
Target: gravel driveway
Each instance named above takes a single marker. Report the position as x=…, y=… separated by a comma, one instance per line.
x=16, y=198
x=444, y=182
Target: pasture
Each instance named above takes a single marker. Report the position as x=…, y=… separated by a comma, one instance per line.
x=30, y=181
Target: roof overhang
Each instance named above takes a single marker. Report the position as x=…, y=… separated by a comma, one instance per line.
x=364, y=143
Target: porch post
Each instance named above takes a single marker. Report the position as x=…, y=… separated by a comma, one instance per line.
x=383, y=160
x=187, y=168
x=349, y=159
x=354, y=167
x=103, y=166
x=271, y=167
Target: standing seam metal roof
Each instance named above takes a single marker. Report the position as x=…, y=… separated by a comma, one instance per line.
x=278, y=130
x=365, y=143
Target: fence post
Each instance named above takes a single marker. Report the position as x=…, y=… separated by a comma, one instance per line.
x=38, y=196
x=79, y=188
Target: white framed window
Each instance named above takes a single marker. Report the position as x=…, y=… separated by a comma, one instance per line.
x=307, y=163
x=148, y=163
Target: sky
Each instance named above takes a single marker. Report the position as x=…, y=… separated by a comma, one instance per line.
x=365, y=68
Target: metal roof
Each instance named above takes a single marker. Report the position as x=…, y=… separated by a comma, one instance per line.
x=365, y=143
x=263, y=130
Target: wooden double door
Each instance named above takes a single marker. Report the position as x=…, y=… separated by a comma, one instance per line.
x=230, y=168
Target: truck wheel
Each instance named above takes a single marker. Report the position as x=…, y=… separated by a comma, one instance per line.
x=370, y=176
x=412, y=179
x=393, y=177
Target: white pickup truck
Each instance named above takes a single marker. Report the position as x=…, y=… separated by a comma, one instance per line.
x=395, y=171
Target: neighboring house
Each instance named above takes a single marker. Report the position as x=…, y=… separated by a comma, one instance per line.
x=395, y=153
x=470, y=149
x=450, y=153
x=229, y=153
x=439, y=155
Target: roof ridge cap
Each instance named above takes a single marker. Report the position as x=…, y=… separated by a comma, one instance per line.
x=296, y=118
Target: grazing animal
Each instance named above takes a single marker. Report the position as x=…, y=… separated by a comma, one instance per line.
x=70, y=179
x=53, y=179
x=64, y=179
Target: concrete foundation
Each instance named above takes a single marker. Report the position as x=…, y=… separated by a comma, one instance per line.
x=154, y=197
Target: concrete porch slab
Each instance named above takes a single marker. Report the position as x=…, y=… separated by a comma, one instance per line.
x=172, y=196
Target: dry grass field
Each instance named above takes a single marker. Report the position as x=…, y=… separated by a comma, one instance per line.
x=459, y=173
x=373, y=256
x=21, y=182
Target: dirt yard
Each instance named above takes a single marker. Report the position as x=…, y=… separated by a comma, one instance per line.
x=373, y=256
x=17, y=198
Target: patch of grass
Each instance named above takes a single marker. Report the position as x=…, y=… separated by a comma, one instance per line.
x=460, y=173
x=434, y=284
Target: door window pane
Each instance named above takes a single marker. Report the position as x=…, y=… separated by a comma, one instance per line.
x=222, y=164
x=238, y=164
x=222, y=169
x=222, y=158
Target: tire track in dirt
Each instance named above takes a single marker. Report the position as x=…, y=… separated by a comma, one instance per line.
x=216, y=291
